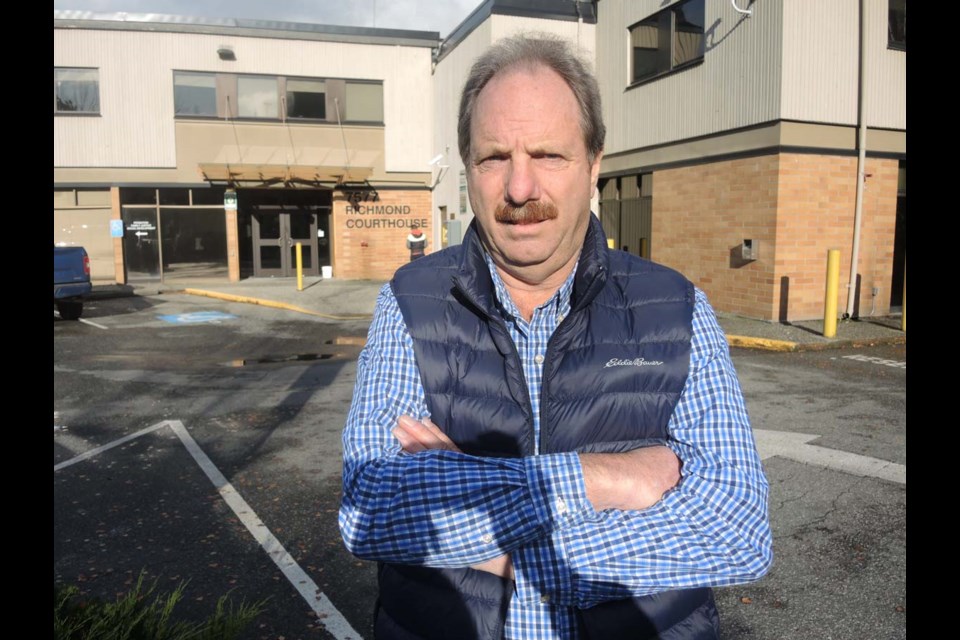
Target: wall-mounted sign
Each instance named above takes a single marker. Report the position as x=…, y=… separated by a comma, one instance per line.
x=230, y=200
x=382, y=216
x=116, y=228
x=357, y=192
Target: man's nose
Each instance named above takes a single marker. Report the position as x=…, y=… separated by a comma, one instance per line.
x=522, y=184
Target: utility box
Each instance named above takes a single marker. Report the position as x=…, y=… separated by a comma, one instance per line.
x=454, y=233
x=750, y=249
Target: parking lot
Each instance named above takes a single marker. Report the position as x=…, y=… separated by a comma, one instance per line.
x=198, y=440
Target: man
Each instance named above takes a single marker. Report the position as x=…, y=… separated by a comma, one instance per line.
x=547, y=438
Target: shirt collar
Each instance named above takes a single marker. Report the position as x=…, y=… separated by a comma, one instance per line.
x=560, y=300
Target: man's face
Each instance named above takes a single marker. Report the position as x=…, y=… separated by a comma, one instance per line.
x=529, y=177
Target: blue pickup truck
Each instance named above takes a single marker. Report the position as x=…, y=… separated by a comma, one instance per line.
x=71, y=280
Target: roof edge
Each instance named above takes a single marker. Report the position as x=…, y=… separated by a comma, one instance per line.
x=123, y=21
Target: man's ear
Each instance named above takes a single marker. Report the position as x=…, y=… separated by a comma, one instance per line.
x=595, y=170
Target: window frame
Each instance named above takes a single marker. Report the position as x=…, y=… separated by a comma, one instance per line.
x=895, y=14
x=227, y=98
x=346, y=105
x=666, y=23
x=285, y=98
x=216, y=92
x=57, y=111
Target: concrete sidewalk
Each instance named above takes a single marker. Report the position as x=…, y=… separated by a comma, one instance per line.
x=335, y=300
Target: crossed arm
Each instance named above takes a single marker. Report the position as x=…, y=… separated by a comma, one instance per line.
x=579, y=529
x=632, y=480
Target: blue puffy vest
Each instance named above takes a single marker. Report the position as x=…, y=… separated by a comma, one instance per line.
x=619, y=360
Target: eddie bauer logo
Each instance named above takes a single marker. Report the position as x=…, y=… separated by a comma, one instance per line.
x=636, y=362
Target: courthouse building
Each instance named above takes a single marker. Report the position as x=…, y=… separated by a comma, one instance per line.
x=736, y=132
x=189, y=147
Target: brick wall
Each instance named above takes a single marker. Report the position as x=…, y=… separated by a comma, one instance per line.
x=798, y=206
x=816, y=214
x=369, y=240
x=702, y=214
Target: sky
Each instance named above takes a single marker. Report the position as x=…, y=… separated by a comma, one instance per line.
x=421, y=15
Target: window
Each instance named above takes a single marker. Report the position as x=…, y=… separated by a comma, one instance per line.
x=364, y=102
x=263, y=97
x=257, y=97
x=897, y=25
x=194, y=94
x=306, y=99
x=668, y=40
x=76, y=91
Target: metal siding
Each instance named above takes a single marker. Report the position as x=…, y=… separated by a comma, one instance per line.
x=635, y=223
x=136, y=89
x=737, y=84
x=820, y=54
x=581, y=34
x=886, y=88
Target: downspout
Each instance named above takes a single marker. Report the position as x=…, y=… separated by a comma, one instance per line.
x=861, y=165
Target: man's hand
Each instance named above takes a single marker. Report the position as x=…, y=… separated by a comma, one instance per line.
x=414, y=436
x=629, y=481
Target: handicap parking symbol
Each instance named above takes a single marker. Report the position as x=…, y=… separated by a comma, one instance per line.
x=198, y=317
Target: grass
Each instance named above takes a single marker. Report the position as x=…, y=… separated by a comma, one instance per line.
x=143, y=614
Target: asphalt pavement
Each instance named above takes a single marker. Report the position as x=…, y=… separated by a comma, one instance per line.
x=337, y=299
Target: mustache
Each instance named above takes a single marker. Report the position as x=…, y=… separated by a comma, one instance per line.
x=528, y=213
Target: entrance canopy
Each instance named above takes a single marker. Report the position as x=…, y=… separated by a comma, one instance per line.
x=251, y=175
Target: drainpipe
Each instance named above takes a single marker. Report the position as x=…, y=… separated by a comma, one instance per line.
x=861, y=163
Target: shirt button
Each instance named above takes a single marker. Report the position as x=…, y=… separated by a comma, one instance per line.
x=561, y=506
x=545, y=599
x=486, y=538
x=560, y=318
x=538, y=359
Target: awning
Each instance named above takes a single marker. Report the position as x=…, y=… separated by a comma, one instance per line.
x=267, y=174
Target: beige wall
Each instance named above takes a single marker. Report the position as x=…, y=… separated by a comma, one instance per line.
x=798, y=206
x=82, y=219
x=791, y=60
x=737, y=84
x=821, y=51
x=137, y=128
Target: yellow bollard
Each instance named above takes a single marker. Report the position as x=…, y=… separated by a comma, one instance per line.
x=830, y=298
x=903, y=316
x=299, y=267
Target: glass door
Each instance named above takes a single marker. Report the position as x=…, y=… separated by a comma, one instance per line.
x=276, y=232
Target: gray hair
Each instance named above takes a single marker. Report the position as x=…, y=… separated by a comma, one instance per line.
x=529, y=51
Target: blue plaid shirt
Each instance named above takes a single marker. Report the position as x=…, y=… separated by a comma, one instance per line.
x=448, y=509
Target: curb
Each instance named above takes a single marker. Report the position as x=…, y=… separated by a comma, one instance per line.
x=747, y=342
x=273, y=304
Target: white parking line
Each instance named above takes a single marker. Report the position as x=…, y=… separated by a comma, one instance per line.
x=71, y=444
x=327, y=614
x=896, y=364
x=93, y=324
x=85, y=321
